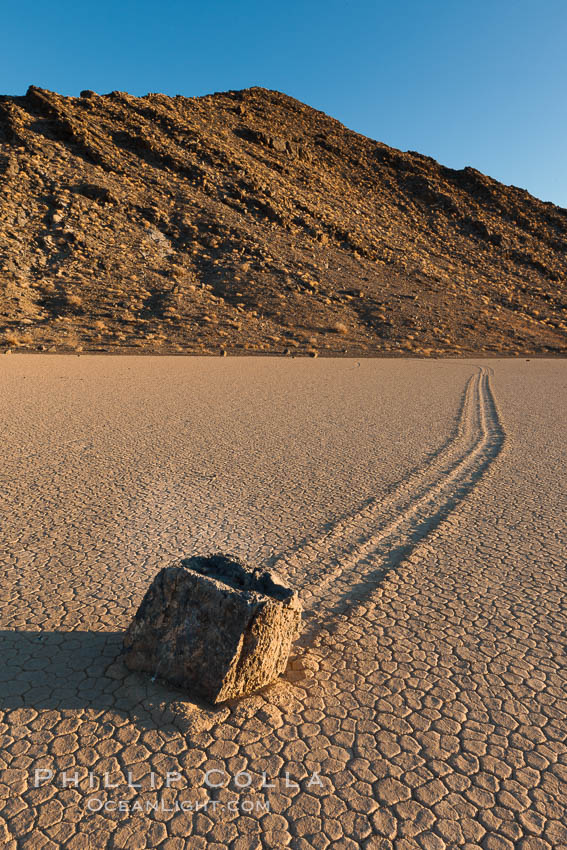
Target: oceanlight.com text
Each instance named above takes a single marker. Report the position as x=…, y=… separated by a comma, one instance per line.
x=259, y=806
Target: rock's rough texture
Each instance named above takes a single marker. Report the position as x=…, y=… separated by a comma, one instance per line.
x=214, y=626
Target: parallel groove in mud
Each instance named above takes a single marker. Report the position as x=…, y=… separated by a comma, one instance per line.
x=361, y=548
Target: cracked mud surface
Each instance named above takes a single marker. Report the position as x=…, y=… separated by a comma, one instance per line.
x=419, y=507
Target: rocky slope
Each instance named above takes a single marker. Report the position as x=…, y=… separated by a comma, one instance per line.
x=247, y=221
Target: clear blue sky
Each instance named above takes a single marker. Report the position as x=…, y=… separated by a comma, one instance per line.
x=469, y=83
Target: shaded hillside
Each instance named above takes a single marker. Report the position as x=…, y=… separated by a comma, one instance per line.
x=249, y=221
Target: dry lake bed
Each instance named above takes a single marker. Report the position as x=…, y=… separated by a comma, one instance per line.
x=418, y=506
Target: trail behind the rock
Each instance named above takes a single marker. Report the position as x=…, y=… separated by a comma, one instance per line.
x=344, y=564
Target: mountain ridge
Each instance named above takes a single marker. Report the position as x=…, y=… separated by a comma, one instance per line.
x=246, y=221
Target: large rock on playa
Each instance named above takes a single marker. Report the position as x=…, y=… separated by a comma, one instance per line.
x=214, y=626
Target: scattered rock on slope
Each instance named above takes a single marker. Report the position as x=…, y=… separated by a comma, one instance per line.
x=247, y=221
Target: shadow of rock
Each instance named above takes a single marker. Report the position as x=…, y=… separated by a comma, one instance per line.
x=84, y=671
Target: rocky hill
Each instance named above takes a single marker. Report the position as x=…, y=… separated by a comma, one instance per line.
x=247, y=221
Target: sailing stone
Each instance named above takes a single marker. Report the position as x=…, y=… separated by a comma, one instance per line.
x=214, y=626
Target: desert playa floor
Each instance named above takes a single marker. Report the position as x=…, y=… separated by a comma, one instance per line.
x=420, y=508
